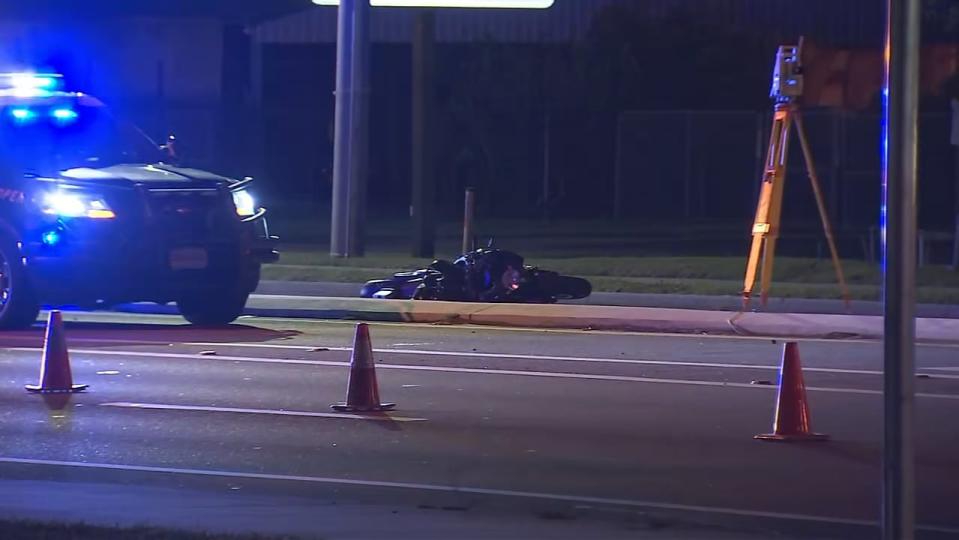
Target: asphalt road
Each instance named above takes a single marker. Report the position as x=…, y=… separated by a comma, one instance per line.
x=497, y=433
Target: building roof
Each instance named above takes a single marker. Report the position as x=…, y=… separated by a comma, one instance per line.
x=840, y=22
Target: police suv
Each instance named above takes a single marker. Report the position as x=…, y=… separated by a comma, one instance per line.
x=93, y=213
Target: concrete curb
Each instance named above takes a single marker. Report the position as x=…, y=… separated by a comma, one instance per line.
x=584, y=317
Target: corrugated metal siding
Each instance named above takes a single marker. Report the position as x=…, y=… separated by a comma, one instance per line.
x=839, y=22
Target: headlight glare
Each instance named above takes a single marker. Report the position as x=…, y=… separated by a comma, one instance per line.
x=245, y=203
x=75, y=205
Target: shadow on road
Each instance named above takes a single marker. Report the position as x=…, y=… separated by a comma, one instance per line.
x=386, y=422
x=868, y=454
x=112, y=334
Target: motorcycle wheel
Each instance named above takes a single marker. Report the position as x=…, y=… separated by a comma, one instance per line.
x=374, y=286
x=567, y=287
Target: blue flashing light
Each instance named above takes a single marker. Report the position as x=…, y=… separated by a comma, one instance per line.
x=22, y=114
x=51, y=238
x=64, y=115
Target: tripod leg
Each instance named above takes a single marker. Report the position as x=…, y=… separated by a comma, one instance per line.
x=752, y=264
x=820, y=203
x=777, y=187
x=769, y=254
x=766, y=223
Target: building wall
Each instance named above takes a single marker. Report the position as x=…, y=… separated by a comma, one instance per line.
x=129, y=59
x=163, y=74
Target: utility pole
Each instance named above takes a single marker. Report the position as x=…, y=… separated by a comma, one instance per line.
x=422, y=205
x=351, y=132
x=898, y=222
x=351, y=129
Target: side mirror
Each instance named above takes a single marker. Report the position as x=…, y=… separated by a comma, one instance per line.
x=169, y=149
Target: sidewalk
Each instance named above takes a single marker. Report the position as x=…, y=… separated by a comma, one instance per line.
x=579, y=316
x=673, y=301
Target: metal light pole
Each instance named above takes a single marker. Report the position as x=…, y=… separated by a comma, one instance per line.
x=424, y=173
x=898, y=221
x=351, y=129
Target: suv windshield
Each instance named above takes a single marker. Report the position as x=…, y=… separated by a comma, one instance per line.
x=51, y=138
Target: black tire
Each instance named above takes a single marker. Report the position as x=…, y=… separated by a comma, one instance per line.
x=567, y=287
x=213, y=308
x=19, y=306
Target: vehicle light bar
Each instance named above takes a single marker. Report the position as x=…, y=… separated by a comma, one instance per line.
x=31, y=84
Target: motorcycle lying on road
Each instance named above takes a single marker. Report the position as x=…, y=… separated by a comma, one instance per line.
x=482, y=275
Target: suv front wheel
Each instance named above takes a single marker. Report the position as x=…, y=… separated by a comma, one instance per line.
x=18, y=302
x=213, y=308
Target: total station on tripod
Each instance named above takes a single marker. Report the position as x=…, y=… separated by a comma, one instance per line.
x=787, y=74
x=786, y=92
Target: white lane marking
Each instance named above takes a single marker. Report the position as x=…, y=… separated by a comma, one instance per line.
x=312, y=348
x=165, y=407
x=511, y=356
x=581, y=499
x=145, y=342
x=447, y=369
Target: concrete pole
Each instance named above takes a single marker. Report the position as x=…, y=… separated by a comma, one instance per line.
x=898, y=222
x=424, y=174
x=351, y=129
x=360, y=145
x=340, y=216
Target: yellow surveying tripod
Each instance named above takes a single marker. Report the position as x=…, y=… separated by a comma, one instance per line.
x=786, y=91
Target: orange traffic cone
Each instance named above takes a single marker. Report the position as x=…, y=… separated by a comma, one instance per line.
x=791, y=422
x=55, y=375
x=362, y=393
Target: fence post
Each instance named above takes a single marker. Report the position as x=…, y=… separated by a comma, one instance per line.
x=838, y=155
x=955, y=243
x=546, y=169
x=468, y=214
x=618, y=170
x=688, y=166
x=760, y=157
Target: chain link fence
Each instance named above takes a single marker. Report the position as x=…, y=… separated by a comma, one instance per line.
x=706, y=166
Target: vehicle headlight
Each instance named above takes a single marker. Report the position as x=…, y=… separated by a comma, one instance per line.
x=75, y=205
x=244, y=202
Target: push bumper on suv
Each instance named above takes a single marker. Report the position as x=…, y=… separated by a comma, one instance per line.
x=163, y=244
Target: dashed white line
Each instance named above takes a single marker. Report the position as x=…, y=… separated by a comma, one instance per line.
x=509, y=372
x=200, y=408
x=512, y=356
